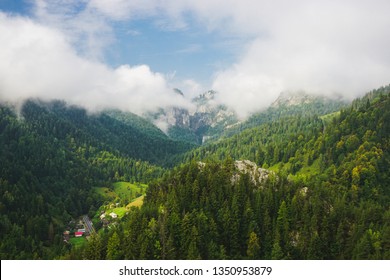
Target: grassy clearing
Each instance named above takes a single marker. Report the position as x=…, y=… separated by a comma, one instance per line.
x=78, y=242
x=120, y=211
x=122, y=191
x=107, y=193
x=123, y=195
x=136, y=202
x=128, y=190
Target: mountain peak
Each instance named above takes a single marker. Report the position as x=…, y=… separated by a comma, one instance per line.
x=206, y=96
x=288, y=98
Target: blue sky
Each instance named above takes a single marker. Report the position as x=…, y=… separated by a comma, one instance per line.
x=129, y=54
x=191, y=52
x=15, y=6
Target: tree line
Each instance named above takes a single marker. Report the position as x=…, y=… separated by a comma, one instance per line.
x=328, y=199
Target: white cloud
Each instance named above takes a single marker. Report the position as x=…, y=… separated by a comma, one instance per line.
x=246, y=91
x=320, y=46
x=191, y=88
x=37, y=61
x=327, y=47
x=87, y=29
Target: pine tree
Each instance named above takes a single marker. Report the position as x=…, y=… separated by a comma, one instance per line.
x=114, y=247
x=94, y=250
x=253, y=246
x=193, y=251
x=282, y=226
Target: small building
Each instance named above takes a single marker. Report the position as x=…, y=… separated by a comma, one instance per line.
x=102, y=216
x=113, y=215
x=66, y=236
x=78, y=234
x=81, y=230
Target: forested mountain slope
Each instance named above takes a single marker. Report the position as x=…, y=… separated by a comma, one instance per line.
x=127, y=133
x=288, y=104
x=52, y=156
x=317, y=187
x=328, y=197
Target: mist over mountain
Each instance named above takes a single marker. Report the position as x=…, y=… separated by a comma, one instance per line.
x=209, y=129
x=78, y=52
x=210, y=119
x=207, y=118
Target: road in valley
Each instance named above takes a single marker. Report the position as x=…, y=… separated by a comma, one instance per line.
x=88, y=225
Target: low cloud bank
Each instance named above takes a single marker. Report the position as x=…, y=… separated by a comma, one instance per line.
x=39, y=62
x=333, y=48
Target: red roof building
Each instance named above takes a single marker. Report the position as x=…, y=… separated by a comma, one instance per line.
x=78, y=234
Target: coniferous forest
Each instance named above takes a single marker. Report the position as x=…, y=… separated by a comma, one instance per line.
x=308, y=181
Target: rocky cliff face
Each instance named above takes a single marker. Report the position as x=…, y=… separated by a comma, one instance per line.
x=288, y=99
x=207, y=120
x=257, y=174
x=293, y=99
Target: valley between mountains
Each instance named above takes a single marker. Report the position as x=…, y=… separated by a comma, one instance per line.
x=306, y=178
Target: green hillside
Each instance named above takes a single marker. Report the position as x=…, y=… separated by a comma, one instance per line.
x=305, y=181
x=52, y=157
x=328, y=198
x=121, y=192
x=305, y=106
x=124, y=133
